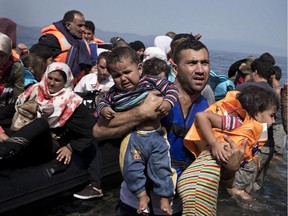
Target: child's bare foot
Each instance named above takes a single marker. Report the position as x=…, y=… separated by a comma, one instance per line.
x=143, y=202
x=240, y=193
x=165, y=205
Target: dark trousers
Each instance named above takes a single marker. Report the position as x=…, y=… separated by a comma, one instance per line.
x=38, y=149
x=93, y=158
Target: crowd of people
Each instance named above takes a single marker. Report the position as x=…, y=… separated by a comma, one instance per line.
x=177, y=143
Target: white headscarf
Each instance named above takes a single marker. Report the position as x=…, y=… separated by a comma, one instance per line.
x=163, y=42
x=5, y=46
x=152, y=52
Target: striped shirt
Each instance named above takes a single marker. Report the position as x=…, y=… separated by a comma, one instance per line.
x=121, y=101
x=230, y=122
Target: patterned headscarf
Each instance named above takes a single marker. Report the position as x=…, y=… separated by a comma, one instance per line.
x=57, y=108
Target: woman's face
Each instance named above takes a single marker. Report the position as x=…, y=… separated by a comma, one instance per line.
x=55, y=82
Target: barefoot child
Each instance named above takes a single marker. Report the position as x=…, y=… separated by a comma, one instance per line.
x=146, y=148
x=241, y=116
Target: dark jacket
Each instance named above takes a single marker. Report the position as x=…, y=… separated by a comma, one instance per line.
x=78, y=129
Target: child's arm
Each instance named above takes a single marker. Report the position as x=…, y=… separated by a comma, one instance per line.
x=168, y=90
x=205, y=121
x=164, y=107
x=107, y=112
x=104, y=101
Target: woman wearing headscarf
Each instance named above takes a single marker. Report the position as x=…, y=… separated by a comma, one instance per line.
x=8, y=27
x=163, y=42
x=11, y=73
x=139, y=47
x=70, y=123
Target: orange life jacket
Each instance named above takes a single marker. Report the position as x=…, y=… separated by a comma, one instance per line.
x=98, y=41
x=250, y=128
x=15, y=54
x=64, y=44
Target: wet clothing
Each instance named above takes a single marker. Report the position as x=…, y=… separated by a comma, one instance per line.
x=279, y=134
x=280, y=138
x=146, y=151
x=144, y=148
x=177, y=127
x=198, y=187
x=264, y=155
x=284, y=107
x=236, y=130
x=198, y=184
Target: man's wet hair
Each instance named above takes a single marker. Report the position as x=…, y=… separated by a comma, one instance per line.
x=268, y=58
x=263, y=68
x=187, y=44
x=255, y=99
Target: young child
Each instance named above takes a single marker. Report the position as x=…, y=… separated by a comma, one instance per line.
x=156, y=67
x=240, y=116
x=145, y=149
x=89, y=36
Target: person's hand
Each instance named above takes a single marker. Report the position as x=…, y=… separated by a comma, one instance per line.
x=93, y=69
x=235, y=155
x=108, y=113
x=105, y=89
x=164, y=108
x=23, y=48
x=220, y=152
x=198, y=36
x=3, y=137
x=64, y=153
x=149, y=106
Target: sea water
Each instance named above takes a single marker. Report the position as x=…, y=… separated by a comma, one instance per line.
x=220, y=62
x=270, y=200
x=272, y=197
